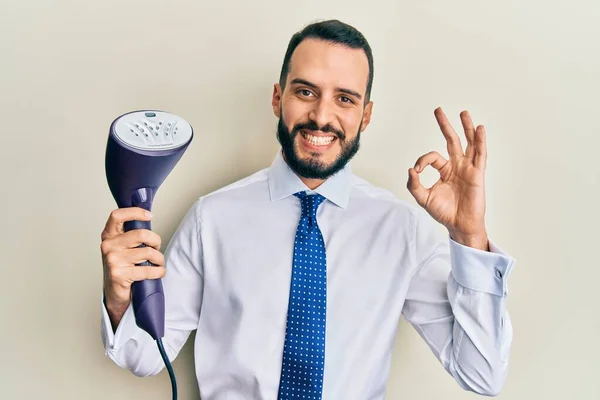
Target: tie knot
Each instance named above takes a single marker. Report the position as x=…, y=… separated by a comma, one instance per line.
x=310, y=203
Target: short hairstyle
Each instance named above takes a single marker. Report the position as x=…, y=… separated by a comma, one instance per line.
x=335, y=32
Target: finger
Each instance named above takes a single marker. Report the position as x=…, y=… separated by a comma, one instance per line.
x=433, y=158
x=452, y=139
x=116, y=219
x=131, y=240
x=136, y=237
x=414, y=186
x=139, y=255
x=480, y=148
x=134, y=274
x=467, y=124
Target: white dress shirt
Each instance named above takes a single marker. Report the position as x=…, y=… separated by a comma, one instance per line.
x=229, y=265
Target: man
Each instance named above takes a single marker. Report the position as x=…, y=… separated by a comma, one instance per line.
x=296, y=276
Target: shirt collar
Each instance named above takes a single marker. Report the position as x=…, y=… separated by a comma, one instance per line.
x=284, y=182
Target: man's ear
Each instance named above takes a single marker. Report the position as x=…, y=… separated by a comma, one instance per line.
x=276, y=101
x=366, y=116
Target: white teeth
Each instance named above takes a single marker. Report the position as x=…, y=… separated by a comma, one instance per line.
x=319, y=140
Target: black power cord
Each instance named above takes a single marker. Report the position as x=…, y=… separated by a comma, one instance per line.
x=165, y=358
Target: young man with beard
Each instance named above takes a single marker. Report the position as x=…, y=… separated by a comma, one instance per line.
x=295, y=277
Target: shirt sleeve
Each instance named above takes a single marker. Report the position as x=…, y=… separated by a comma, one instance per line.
x=132, y=348
x=457, y=303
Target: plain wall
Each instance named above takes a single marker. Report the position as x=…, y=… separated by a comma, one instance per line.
x=528, y=71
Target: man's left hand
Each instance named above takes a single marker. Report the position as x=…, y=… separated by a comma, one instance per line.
x=457, y=199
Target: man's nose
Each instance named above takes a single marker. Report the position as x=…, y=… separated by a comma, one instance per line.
x=322, y=113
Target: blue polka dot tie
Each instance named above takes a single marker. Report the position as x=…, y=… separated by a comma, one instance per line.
x=304, y=349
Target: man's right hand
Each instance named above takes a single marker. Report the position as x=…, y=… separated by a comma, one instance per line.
x=119, y=256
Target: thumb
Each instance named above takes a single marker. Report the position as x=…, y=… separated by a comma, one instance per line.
x=414, y=186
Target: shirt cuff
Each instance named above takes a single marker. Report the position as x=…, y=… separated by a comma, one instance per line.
x=480, y=270
x=126, y=329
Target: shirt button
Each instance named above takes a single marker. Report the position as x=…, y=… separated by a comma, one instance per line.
x=498, y=274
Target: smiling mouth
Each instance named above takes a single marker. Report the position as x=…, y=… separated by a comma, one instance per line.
x=318, y=140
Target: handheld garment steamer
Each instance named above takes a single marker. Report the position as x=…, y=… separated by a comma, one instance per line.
x=142, y=149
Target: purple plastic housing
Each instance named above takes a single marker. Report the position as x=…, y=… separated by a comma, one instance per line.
x=134, y=176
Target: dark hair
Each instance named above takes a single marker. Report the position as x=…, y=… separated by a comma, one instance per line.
x=332, y=31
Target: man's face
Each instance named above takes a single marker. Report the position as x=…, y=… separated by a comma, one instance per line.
x=322, y=109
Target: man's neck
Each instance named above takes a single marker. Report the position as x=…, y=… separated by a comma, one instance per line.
x=312, y=184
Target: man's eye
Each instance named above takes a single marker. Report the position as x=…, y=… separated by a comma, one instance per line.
x=346, y=99
x=305, y=92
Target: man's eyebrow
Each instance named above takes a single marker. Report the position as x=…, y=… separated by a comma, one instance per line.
x=350, y=92
x=301, y=81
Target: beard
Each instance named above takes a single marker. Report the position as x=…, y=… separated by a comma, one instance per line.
x=314, y=168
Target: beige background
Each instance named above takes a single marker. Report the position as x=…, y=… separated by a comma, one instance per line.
x=529, y=72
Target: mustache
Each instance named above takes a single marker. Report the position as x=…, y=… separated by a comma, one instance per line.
x=312, y=126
